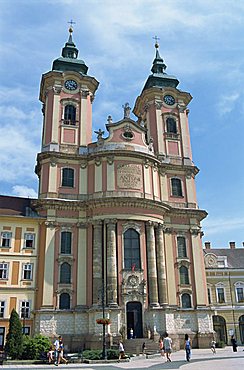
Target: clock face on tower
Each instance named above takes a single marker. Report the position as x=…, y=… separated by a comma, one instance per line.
x=169, y=99
x=70, y=84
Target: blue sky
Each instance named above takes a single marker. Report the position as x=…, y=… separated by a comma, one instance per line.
x=201, y=42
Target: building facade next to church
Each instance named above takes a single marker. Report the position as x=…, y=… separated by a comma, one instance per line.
x=225, y=285
x=122, y=227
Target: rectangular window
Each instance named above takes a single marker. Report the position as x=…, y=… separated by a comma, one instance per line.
x=209, y=296
x=25, y=310
x=27, y=271
x=181, y=244
x=3, y=270
x=2, y=333
x=66, y=242
x=29, y=241
x=68, y=177
x=176, y=187
x=2, y=306
x=221, y=295
x=240, y=295
x=26, y=330
x=6, y=239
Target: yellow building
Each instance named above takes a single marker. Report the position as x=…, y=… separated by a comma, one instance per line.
x=19, y=230
x=225, y=285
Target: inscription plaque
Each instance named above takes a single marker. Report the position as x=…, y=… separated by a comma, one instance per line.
x=129, y=176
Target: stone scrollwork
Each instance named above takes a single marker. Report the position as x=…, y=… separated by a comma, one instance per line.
x=51, y=224
x=133, y=280
x=98, y=161
x=133, y=286
x=110, y=159
x=57, y=89
x=158, y=104
x=211, y=260
x=83, y=164
x=195, y=230
x=84, y=93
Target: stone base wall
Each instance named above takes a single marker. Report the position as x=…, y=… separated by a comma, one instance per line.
x=80, y=330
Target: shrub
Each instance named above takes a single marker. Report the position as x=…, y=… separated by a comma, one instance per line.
x=93, y=354
x=14, y=339
x=34, y=347
x=96, y=354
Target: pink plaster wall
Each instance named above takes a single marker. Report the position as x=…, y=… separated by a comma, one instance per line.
x=48, y=118
x=153, y=126
x=45, y=178
x=88, y=122
x=173, y=147
x=117, y=136
x=69, y=136
x=91, y=179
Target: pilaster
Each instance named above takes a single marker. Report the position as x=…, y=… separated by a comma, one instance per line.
x=97, y=261
x=152, y=267
x=111, y=264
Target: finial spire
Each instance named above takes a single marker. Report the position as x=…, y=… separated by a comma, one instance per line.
x=156, y=38
x=71, y=22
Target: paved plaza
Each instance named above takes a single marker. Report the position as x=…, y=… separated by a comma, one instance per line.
x=202, y=359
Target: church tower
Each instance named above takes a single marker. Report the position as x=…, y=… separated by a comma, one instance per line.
x=122, y=237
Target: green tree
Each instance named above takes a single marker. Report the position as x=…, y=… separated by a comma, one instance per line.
x=14, y=340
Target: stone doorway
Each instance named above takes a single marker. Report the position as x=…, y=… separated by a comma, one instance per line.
x=134, y=319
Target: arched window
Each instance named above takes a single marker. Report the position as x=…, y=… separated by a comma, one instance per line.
x=186, y=300
x=184, y=276
x=176, y=187
x=132, y=257
x=171, y=125
x=68, y=177
x=66, y=242
x=219, y=325
x=69, y=114
x=181, y=245
x=65, y=273
x=64, y=301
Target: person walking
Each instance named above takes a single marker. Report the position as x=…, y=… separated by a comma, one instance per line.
x=161, y=347
x=187, y=347
x=167, y=344
x=56, y=351
x=121, y=350
x=213, y=346
x=234, y=343
x=61, y=352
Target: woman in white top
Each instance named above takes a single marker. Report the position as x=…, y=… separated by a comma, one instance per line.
x=121, y=350
x=167, y=342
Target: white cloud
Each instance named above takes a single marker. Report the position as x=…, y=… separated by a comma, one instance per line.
x=23, y=191
x=227, y=103
x=213, y=226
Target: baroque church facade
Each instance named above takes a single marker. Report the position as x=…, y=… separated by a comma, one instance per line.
x=120, y=227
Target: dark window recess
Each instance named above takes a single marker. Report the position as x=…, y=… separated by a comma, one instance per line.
x=65, y=273
x=186, y=300
x=176, y=187
x=171, y=125
x=181, y=244
x=69, y=115
x=66, y=242
x=64, y=301
x=132, y=257
x=68, y=177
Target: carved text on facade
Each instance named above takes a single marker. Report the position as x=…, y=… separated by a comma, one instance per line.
x=129, y=176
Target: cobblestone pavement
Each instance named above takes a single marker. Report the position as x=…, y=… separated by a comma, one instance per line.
x=202, y=359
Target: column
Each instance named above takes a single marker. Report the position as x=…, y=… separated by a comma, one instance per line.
x=97, y=261
x=111, y=264
x=162, y=287
x=152, y=267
